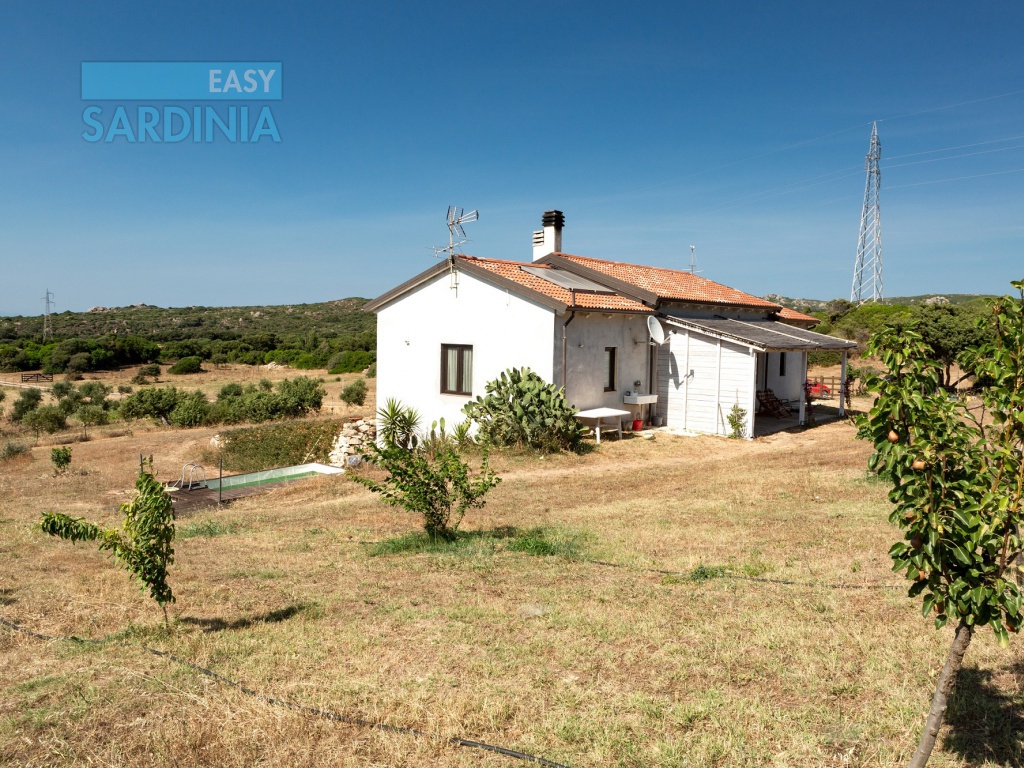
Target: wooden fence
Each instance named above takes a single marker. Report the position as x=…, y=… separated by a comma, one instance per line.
x=27, y=377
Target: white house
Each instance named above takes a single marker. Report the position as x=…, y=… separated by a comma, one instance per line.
x=582, y=324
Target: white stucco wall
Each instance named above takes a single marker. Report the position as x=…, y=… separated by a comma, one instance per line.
x=699, y=380
x=504, y=329
x=587, y=336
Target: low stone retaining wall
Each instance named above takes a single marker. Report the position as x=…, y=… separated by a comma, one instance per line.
x=353, y=436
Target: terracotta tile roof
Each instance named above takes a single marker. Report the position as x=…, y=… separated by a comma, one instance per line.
x=671, y=284
x=792, y=315
x=512, y=270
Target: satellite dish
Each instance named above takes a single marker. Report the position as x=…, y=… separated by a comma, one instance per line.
x=654, y=328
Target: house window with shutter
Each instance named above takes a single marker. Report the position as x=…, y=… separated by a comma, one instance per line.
x=609, y=369
x=456, y=369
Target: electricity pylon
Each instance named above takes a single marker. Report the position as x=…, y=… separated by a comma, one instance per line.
x=867, y=272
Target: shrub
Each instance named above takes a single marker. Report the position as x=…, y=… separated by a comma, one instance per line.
x=521, y=409
x=27, y=402
x=61, y=458
x=95, y=393
x=436, y=484
x=354, y=393
x=737, y=419
x=371, y=372
x=278, y=445
x=151, y=403
x=228, y=391
x=186, y=365
x=351, y=361
x=11, y=450
x=124, y=389
x=192, y=410
x=91, y=416
x=46, y=418
x=152, y=370
x=297, y=397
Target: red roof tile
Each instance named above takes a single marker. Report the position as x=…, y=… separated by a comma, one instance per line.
x=512, y=270
x=671, y=284
x=791, y=314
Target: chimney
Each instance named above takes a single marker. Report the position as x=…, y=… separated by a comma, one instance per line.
x=549, y=239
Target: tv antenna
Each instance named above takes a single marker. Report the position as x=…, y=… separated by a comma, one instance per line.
x=47, y=308
x=456, y=218
x=693, y=260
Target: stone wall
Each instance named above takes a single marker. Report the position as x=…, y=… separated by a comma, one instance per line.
x=352, y=437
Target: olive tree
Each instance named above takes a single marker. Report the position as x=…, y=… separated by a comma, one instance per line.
x=957, y=478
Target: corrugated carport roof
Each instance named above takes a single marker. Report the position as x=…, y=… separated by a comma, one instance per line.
x=761, y=334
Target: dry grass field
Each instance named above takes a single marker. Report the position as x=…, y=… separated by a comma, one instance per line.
x=558, y=656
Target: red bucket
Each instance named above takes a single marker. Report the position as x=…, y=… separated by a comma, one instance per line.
x=638, y=424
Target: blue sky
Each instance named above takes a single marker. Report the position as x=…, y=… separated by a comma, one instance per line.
x=739, y=127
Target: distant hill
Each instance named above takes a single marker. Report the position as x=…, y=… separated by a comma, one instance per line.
x=819, y=305
x=344, y=316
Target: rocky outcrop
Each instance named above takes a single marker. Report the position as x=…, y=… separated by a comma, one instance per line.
x=353, y=436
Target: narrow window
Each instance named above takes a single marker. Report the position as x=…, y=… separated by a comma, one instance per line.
x=456, y=369
x=782, y=363
x=609, y=369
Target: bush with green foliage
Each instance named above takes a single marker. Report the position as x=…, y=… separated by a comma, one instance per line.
x=249, y=449
x=152, y=370
x=46, y=418
x=143, y=546
x=737, y=419
x=28, y=400
x=91, y=416
x=354, y=393
x=434, y=483
x=349, y=361
x=371, y=372
x=61, y=458
x=155, y=403
x=192, y=410
x=521, y=409
x=956, y=472
x=186, y=366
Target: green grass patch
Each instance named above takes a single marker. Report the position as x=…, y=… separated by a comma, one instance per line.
x=540, y=542
x=207, y=528
x=703, y=573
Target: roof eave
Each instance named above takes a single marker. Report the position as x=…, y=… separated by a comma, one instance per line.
x=386, y=298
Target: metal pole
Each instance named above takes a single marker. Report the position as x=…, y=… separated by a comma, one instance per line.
x=220, y=482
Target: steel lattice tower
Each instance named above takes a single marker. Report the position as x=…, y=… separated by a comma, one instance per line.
x=867, y=273
x=47, y=308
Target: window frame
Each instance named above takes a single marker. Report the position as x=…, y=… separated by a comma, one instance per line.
x=782, y=364
x=610, y=360
x=460, y=373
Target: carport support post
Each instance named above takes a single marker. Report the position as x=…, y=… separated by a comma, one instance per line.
x=752, y=405
x=220, y=482
x=842, y=387
x=803, y=388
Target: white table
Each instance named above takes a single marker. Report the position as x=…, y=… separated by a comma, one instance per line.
x=604, y=417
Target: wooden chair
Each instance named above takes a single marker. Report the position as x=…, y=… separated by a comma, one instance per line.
x=770, y=405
